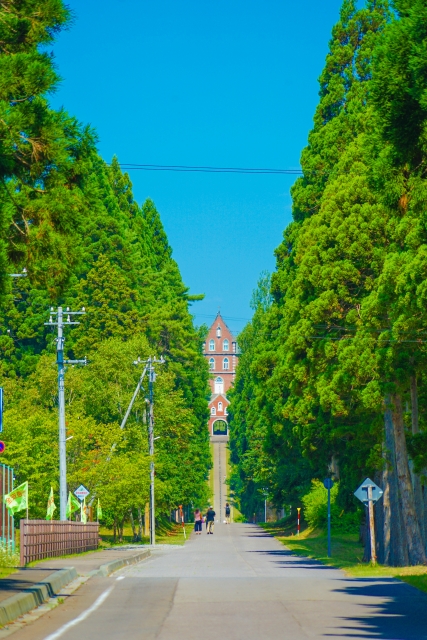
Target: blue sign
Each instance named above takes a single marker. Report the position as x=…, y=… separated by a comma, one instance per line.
x=328, y=483
x=1, y=409
x=362, y=492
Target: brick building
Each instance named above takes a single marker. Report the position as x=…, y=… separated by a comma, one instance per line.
x=221, y=351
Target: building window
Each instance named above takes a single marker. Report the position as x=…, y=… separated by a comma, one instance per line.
x=225, y=363
x=219, y=406
x=225, y=345
x=211, y=345
x=219, y=385
x=225, y=411
x=211, y=363
x=213, y=411
x=218, y=331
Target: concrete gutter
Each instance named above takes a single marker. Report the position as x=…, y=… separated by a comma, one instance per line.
x=21, y=603
x=105, y=569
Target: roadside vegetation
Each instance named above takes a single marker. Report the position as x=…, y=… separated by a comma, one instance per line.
x=332, y=374
x=70, y=219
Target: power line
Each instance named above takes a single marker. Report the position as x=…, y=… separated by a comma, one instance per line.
x=130, y=166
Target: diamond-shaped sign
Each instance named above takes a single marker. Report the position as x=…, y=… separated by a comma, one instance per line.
x=81, y=492
x=362, y=492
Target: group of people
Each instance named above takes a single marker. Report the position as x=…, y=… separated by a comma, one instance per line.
x=209, y=518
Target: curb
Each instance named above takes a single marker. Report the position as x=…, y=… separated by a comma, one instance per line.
x=105, y=569
x=34, y=596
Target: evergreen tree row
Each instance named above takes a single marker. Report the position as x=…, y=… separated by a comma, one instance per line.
x=72, y=222
x=332, y=376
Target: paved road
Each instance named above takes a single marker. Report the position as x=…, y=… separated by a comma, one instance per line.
x=220, y=474
x=238, y=584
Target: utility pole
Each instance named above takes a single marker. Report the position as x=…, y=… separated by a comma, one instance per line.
x=149, y=368
x=151, y=438
x=60, y=323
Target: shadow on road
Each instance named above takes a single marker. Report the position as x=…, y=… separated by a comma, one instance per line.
x=401, y=614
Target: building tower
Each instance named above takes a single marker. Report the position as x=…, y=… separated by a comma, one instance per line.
x=221, y=351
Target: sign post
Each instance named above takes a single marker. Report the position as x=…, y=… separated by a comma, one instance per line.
x=369, y=493
x=298, y=520
x=328, y=483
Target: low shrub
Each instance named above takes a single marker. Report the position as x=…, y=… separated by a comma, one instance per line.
x=316, y=510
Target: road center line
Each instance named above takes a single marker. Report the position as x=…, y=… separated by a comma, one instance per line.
x=120, y=578
x=81, y=617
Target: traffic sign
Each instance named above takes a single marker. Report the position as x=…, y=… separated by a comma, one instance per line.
x=328, y=483
x=362, y=492
x=2, y=446
x=81, y=492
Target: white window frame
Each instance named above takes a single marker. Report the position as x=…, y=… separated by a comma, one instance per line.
x=219, y=385
x=211, y=364
x=219, y=406
x=212, y=345
x=226, y=348
x=213, y=411
x=226, y=364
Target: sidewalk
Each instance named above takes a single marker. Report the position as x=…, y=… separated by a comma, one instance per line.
x=31, y=586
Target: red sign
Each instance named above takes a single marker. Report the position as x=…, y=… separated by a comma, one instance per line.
x=2, y=446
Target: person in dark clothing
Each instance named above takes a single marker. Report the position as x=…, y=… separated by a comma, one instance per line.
x=210, y=520
x=227, y=513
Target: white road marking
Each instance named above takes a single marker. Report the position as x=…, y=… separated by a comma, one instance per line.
x=120, y=578
x=81, y=617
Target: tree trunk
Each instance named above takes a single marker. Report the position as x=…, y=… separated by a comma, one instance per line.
x=140, y=523
x=395, y=550
x=416, y=481
x=115, y=530
x=411, y=525
x=132, y=524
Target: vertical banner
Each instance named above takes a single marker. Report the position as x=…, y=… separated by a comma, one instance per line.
x=1, y=409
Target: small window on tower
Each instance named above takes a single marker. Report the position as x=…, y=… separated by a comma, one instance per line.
x=218, y=331
x=225, y=345
x=211, y=363
x=211, y=345
x=213, y=411
x=225, y=363
x=219, y=406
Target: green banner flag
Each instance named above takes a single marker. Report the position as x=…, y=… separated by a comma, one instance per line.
x=72, y=505
x=17, y=500
x=50, y=506
x=99, y=511
x=83, y=514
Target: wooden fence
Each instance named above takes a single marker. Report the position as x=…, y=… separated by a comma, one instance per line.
x=47, y=539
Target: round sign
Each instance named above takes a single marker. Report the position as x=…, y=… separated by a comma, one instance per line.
x=328, y=483
x=2, y=446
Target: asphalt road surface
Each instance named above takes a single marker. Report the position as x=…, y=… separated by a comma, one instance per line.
x=238, y=584
x=220, y=474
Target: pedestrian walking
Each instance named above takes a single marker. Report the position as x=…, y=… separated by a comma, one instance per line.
x=210, y=520
x=227, y=513
x=198, y=519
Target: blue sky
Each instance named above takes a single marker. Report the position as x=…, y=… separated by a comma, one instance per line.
x=229, y=84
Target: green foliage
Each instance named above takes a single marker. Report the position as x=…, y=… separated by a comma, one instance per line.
x=316, y=510
x=72, y=221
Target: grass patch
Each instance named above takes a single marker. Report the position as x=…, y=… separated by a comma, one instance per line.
x=166, y=533
x=347, y=554
x=211, y=475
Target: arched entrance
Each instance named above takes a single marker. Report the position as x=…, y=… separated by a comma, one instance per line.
x=219, y=428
